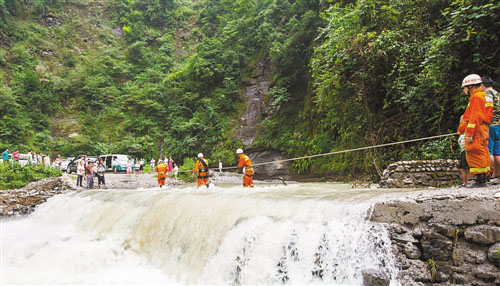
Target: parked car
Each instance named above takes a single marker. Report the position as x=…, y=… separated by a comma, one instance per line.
x=72, y=165
x=65, y=162
x=24, y=159
x=92, y=159
x=115, y=162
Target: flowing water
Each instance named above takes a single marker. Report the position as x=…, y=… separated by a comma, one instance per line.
x=297, y=234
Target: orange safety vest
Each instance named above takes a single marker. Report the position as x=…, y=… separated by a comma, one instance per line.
x=479, y=111
x=477, y=116
x=198, y=167
x=246, y=163
x=162, y=170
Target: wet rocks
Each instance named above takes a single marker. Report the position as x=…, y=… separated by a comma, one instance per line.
x=421, y=173
x=373, y=277
x=23, y=201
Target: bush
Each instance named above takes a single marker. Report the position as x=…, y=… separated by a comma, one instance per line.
x=13, y=176
x=185, y=170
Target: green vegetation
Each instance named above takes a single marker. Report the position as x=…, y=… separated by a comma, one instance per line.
x=13, y=176
x=431, y=266
x=166, y=76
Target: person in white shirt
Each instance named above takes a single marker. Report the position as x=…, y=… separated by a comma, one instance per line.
x=176, y=171
x=100, y=175
x=47, y=161
x=80, y=172
x=152, y=165
x=137, y=168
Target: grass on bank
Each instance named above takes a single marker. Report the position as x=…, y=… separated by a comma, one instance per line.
x=13, y=176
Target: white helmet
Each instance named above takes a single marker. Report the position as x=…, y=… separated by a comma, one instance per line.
x=239, y=151
x=159, y=161
x=200, y=155
x=471, y=79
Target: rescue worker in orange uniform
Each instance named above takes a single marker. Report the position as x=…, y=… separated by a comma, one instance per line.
x=246, y=163
x=476, y=118
x=201, y=167
x=162, y=172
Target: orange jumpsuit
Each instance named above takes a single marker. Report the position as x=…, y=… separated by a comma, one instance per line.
x=202, y=172
x=246, y=163
x=476, y=118
x=162, y=173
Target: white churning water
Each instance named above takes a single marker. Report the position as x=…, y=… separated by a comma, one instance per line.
x=298, y=234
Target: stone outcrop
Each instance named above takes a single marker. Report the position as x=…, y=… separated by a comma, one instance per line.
x=451, y=239
x=23, y=201
x=254, y=95
x=269, y=171
x=421, y=173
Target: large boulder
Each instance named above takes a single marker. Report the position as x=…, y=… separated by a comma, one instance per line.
x=273, y=170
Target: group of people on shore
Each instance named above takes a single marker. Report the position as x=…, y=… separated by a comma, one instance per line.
x=32, y=158
x=479, y=132
x=88, y=171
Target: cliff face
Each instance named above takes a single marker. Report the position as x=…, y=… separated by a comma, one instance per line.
x=445, y=237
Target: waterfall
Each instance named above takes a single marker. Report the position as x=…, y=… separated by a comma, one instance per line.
x=299, y=234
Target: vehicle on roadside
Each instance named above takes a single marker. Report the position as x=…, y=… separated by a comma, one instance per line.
x=24, y=159
x=72, y=165
x=115, y=162
x=92, y=159
x=65, y=162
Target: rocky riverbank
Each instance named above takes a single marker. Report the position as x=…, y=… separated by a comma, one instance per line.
x=23, y=201
x=444, y=236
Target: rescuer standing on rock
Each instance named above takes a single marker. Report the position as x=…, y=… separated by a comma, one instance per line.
x=476, y=118
x=201, y=167
x=246, y=163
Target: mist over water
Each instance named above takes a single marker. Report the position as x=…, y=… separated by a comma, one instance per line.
x=298, y=234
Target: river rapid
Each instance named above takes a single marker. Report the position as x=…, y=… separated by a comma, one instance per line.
x=311, y=233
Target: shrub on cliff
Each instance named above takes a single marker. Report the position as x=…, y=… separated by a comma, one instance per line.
x=16, y=176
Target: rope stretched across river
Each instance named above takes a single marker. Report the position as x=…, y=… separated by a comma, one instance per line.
x=344, y=151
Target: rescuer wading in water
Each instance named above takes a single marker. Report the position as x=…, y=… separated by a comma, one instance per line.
x=476, y=118
x=162, y=172
x=246, y=163
x=201, y=167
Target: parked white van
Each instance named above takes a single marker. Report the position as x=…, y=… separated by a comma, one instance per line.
x=115, y=162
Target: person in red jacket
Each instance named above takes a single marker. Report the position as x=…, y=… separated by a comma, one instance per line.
x=201, y=167
x=246, y=163
x=476, y=118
